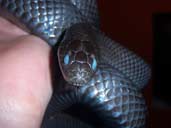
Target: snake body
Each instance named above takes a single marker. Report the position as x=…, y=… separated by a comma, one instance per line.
x=115, y=74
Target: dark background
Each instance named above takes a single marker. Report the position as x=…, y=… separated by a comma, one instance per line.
x=133, y=24
x=162, y=62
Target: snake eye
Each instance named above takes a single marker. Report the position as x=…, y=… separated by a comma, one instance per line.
x=94, y=64
x=66, y=59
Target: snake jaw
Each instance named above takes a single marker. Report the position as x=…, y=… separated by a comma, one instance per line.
x=78, y=74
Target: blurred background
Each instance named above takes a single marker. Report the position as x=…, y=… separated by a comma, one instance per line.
x=145, y=27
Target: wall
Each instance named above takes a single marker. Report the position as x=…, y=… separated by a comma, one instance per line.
x=130, y=23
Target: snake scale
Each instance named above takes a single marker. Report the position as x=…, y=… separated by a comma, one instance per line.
x=96, y=71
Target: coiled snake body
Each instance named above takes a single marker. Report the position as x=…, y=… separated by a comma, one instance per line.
x=97, y=72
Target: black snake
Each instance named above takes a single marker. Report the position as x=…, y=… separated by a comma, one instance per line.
x=97, y=71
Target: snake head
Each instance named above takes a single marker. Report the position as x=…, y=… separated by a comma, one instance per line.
x=77, y=61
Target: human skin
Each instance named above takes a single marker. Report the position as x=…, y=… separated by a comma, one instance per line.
x=25, y=78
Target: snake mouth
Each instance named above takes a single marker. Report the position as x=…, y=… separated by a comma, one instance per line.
x=78, y=74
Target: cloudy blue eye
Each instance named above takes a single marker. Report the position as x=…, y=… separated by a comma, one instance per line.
x=66, y=59
x=94, y=64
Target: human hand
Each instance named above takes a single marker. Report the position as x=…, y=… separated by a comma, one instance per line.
x=25, y=79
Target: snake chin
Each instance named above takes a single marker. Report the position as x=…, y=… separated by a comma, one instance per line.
x=79, y=78
x=77, y=74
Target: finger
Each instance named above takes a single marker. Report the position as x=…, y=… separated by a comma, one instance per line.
x=25, y=82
